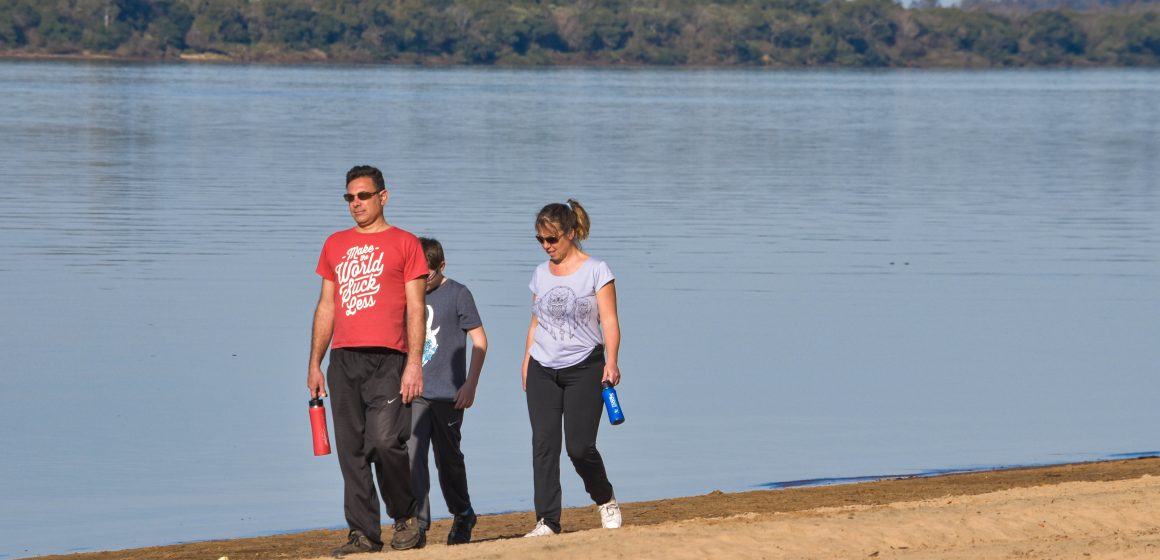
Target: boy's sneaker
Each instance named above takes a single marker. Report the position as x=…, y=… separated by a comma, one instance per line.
x=461, y=528
x=541, y=530
x=610, y=515
x=356, y=543
x=407, y=535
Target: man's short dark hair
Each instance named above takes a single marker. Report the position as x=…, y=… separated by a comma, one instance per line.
x=367, y=171
x=433, y=251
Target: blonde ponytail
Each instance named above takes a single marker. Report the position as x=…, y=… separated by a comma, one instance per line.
x=583, y=224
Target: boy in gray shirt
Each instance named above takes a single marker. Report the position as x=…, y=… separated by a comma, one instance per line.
x=448, y=388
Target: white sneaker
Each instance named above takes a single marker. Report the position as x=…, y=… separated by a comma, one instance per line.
x=610, y=515
x=541, y=530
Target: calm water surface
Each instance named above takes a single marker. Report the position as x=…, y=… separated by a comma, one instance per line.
x=821, y=275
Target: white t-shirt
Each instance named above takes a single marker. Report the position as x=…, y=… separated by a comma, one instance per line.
x=565, y=308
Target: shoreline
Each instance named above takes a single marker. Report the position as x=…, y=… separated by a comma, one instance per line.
x=754, y=509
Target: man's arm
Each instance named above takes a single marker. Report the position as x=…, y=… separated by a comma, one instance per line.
x=320, y=335
x=466, y=395
x=412, y=386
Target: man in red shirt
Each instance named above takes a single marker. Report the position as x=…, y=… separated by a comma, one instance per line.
x=370, y=312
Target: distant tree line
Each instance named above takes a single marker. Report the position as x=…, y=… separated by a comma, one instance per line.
x=778, y=33
x=1041, y=5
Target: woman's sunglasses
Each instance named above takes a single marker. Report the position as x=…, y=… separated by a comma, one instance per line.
x=551, y=239
x=364, y=195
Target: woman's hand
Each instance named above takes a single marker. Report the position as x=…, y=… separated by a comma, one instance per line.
x=611, y=374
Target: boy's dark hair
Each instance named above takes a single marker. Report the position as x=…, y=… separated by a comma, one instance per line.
x=433, y=250
x=367, y=171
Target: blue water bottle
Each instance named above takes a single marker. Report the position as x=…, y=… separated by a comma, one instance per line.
x=612, y=404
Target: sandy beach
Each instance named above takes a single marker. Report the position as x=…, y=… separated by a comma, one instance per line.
x=1107, y=509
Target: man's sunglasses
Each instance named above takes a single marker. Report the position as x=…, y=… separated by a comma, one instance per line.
x=364, y=195
x=551, y=239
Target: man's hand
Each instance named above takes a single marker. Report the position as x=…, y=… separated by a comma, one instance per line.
x=412, y=386
x=315, y=382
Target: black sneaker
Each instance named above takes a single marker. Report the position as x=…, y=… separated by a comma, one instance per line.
x=461, y=528
x=356, y=543
x=408, y=535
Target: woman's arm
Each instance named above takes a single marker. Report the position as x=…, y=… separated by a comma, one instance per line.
x=528, y=344
x=610, y=324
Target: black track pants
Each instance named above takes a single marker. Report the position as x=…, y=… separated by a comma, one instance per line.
x=571, y=395
x=437, y=425
x=371, y=427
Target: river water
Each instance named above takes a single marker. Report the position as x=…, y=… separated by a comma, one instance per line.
x=821, y=275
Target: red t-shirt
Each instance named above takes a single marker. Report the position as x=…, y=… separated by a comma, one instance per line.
x=369, y=271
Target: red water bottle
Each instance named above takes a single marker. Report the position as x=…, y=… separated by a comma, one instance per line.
x=318, y=427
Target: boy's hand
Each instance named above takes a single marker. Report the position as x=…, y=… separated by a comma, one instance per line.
x=465, y=397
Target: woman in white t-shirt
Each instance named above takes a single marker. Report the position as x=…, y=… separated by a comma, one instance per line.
x=572, y=349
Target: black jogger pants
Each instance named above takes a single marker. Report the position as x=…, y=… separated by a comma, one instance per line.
x=570, y=394
x=371, y=427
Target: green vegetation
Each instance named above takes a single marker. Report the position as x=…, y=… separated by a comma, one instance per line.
x=778, y=33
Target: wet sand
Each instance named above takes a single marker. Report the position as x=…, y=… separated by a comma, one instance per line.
x=1107, y=509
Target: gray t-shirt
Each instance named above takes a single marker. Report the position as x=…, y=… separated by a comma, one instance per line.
x=450, y=314
x=565, y=308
